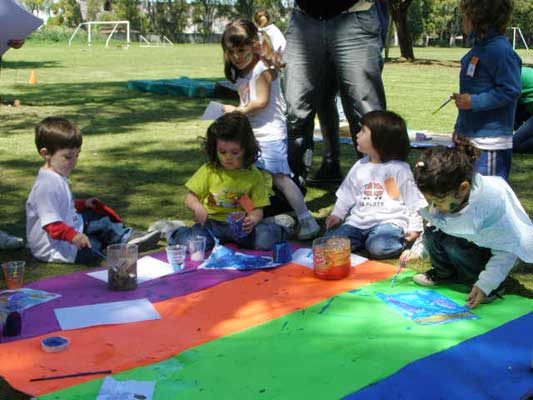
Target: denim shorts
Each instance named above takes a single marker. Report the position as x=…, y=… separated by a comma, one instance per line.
x=273, y=157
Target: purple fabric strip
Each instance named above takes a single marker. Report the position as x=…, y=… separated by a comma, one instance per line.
x=79, y=289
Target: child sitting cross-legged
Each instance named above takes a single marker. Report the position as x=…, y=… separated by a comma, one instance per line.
x=229, y=182
x=477, y=227
x=59, y=228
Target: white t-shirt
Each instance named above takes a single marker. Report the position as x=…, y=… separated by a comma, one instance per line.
x=276, y=37
x=269, y=123
x=377, y=193
x=51, y=200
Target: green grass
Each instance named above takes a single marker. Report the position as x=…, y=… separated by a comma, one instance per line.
x=140, y=148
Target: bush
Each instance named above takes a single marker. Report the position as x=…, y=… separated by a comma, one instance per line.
x=53, y=33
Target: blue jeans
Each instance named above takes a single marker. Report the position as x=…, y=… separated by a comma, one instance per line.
x=262, y=237
x=495, y=163
x=349, y=44
x=523, y=138
x=101, y=232
x=454, y=258
x=381, y=241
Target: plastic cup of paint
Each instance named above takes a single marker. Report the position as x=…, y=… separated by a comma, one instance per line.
x=176, y=257
x=14, y=274
x=197, y=248
x=236, y=222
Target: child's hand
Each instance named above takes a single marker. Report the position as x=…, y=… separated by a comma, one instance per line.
x=200, y=214
x=229, y=108
x=408, y=255
x=249, y=224
x=15, y=44
x=81, y=241
x=332, y=221
x=475, y=297
x=411, y=236
x=463, y=101
x=91, y=203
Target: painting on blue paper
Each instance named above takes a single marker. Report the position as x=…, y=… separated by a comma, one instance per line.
x=22, y=299
x=224, y=258
x=427, y=307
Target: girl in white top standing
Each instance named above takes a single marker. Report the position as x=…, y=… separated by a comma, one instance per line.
x=251, y=62
x=263, y=22
x=379, y=200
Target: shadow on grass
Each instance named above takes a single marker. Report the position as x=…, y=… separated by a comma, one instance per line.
x=425, y=61
x=30, y=64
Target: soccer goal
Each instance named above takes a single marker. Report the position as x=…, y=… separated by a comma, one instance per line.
x=155, y=41
x=115, y=25
x=518, y=32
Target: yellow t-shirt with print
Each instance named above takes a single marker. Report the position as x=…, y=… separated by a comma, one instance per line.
x=219, y=189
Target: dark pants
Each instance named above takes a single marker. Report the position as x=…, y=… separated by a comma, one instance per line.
x=454, y=258
x=262, y=237
x=102, y=232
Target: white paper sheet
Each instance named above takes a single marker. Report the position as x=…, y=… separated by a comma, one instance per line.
x=213, y=111
x=148, y=268
x=304, y=256
x=15, y=23
x=126, y=390
x=119, y=312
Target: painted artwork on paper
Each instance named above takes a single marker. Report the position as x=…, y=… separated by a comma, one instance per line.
x=427, y=307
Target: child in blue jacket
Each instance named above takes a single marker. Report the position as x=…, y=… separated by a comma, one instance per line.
x=489, y=84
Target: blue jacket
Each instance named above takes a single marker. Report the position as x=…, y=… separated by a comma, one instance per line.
x=495, y=88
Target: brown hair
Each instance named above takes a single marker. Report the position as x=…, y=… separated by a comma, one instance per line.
x=259, y=15
x=56, y=133
x=231, y=127
x=388, y=133
x=487, y=14
x=242, y=32
x=441, y=170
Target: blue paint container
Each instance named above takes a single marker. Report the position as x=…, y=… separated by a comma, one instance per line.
x=281, y=252
x=236, y=222
x=54, y=344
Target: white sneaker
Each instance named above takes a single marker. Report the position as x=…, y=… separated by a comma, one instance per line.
x=144, y=240
x=166, y=227
x=309, y=229
x=424, y=280
x=10, y=242
x=284, y=220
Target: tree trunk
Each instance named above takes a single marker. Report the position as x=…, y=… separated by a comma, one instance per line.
x=399, y=15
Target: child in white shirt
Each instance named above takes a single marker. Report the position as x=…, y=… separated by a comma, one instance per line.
x=59, y=228
x=378, y=200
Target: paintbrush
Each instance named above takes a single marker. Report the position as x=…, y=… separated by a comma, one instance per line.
x=47, y=378
x=442, y=106
x=402, y=265
x=98, y=252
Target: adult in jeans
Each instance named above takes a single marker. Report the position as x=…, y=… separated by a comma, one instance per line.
x=330, y=44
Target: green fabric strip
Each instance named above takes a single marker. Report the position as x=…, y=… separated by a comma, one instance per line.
x=325, y=351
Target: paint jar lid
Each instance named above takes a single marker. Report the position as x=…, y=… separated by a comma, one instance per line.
x=54, y=344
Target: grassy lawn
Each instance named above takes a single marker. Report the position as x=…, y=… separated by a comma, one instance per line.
x=140, y=148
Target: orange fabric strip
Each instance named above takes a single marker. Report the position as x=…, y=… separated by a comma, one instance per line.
x=186, y=322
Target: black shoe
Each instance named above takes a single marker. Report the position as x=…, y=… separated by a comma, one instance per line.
x=329, y=171
x=144, y=240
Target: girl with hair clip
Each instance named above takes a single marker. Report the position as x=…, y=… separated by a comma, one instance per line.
x=477, y=227
x=229, y=182
x=251, y=62
x=378, y=200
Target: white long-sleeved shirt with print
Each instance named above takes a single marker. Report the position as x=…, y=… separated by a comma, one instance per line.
x=376, y=193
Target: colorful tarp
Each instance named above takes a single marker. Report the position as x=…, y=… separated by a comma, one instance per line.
x=331, y=349
x=188, y=321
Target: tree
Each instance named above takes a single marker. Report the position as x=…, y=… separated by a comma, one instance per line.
x=128, y=10
x=38, y=5
x=167, y=17
x=71, y=12
x=399, y=11
x=204, y=14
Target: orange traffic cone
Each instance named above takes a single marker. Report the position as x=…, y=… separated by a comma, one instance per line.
x=33, y=77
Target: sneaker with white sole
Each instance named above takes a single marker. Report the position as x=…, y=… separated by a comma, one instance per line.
x=283, y=220
x=166, y=227
x=424, y=280
x=309, y=229
x=144, y=240
x=10, y=242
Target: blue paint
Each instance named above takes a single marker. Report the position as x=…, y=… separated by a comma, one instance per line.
x=54, y=341
x=327, y=305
